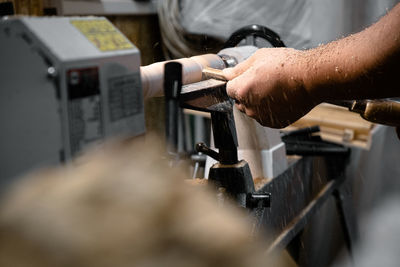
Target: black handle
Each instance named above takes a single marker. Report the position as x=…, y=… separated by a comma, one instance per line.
x=201, y=147
x=257, y=31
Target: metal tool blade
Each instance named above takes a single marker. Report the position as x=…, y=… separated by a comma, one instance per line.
x=209, y=95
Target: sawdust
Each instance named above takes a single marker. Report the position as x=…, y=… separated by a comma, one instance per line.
x=259, y=182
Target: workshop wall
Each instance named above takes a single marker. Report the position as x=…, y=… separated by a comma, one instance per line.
x=27, y=7
x=301, y=24
x=331, y=20
x=289, y=18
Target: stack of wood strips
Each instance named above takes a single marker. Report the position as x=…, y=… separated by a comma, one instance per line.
x=337, y=125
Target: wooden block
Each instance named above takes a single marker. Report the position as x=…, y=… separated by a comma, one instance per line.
x=337, y=125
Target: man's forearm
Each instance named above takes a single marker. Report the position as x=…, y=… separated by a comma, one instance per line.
x=363, y=65
x=276, y=86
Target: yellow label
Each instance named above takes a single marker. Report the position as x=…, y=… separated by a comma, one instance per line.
x=102, y=34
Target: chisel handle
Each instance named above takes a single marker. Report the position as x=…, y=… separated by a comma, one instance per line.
x=385, y=112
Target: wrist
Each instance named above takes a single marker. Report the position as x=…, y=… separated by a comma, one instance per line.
x=307, y=69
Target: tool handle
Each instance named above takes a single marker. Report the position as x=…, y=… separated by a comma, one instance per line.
x=211, y=73
x=203, y=148
x=385, y=112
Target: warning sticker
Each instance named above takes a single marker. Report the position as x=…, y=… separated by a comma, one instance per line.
x=124, y=96
x=102, y=34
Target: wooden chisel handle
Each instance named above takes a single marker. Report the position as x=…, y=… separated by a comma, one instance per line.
x=385, y=112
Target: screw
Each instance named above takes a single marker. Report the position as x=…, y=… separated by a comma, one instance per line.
x=52, y=72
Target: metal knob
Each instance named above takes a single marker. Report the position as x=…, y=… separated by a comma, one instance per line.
x=258, y=200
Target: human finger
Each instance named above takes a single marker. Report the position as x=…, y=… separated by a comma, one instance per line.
x=239, y=87
x=231, y=73
x=240, y=107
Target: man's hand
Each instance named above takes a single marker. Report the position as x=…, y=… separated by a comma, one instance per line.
x=277, y=86
x=269, y=86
